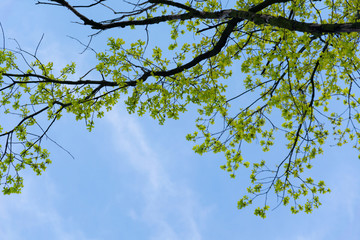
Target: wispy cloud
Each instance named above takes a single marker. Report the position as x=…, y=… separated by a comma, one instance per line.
x=32, y=214
x=171, y=208
x=338, y=218
x=347, y=193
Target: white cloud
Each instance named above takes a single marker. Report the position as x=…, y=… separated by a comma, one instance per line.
x=171, y=208
x=337, y=217
x=347, y=193
x=32, y=213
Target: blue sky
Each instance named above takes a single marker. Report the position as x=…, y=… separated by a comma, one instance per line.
x=134, y=179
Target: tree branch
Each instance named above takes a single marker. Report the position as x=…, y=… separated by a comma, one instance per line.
x=250, y=15
x=49, y=80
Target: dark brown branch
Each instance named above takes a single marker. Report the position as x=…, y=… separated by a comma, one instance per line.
x=217, y=48
x=258, y=19
x=24, y=119
x=250, y=15
x=49, y=80
x=265, y=4
x=86, y=20
x=175, y=4
x=312, y=77
x=90, y=5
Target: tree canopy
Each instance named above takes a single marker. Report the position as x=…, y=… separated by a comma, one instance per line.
x=296, y=92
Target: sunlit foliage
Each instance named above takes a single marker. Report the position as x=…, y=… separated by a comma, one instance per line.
x=297, y=91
